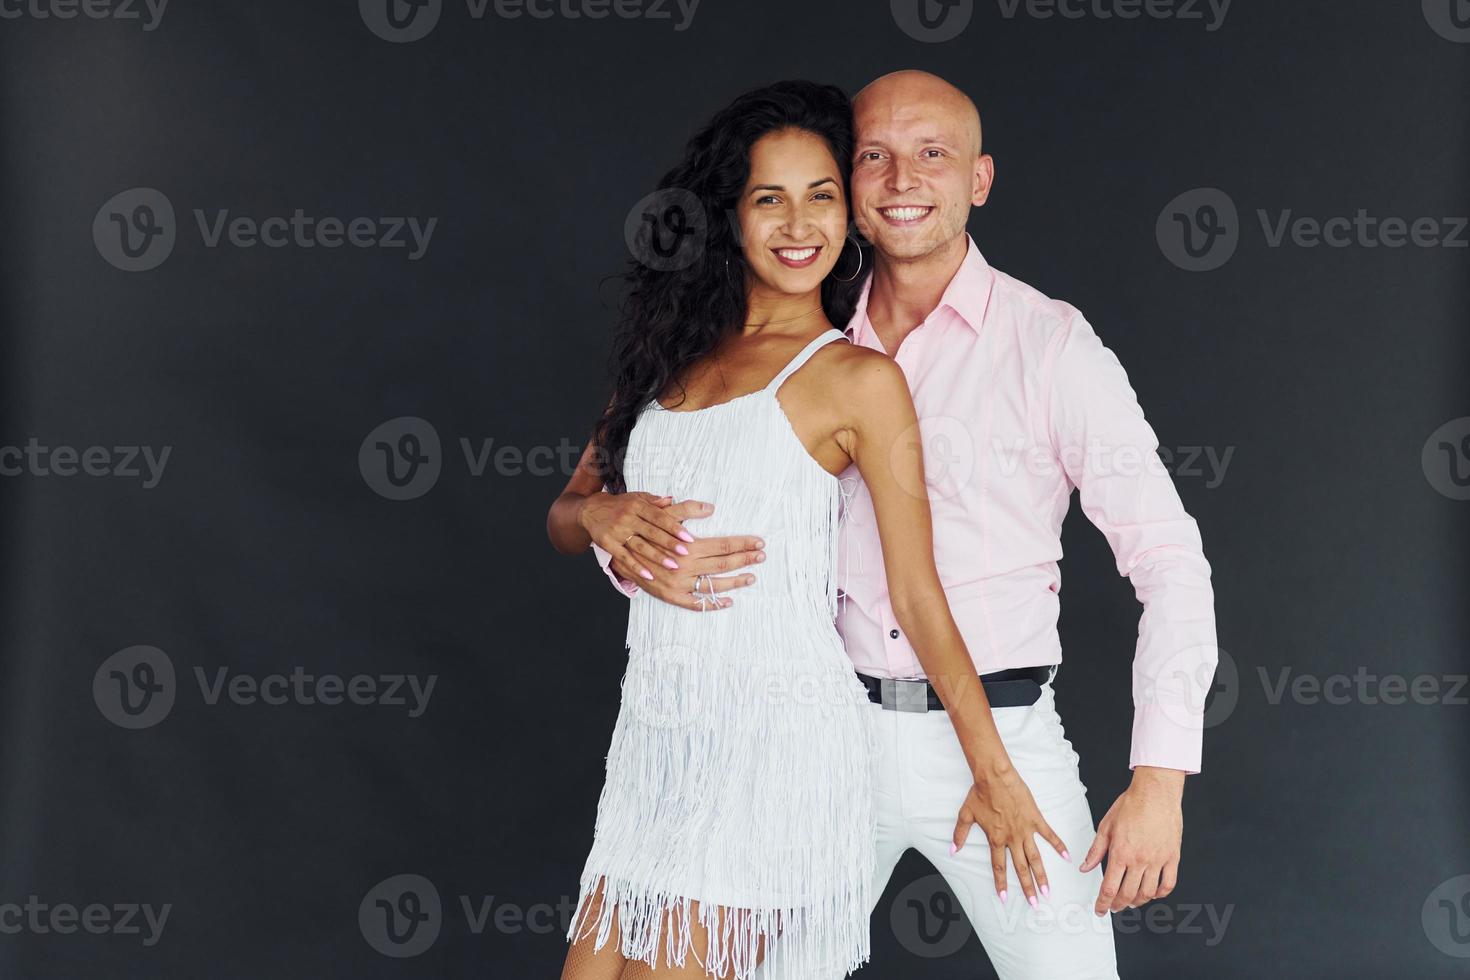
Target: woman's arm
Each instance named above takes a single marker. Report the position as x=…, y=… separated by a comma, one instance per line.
x=883, y=438
x=584, y=512
x=639, y=532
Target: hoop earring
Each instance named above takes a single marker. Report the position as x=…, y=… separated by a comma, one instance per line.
x=859, y=265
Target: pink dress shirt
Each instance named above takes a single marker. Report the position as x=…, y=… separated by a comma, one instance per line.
x=1018, y=403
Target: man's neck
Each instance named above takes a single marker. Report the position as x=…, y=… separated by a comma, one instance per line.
x=904, y=292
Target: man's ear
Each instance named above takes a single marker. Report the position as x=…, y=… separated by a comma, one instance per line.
x=984, y=177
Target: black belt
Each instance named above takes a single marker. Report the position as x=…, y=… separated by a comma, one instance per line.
x=1014, y=687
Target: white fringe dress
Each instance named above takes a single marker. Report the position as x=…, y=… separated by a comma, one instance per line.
x=741, y=765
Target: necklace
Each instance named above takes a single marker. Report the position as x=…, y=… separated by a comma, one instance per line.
x=715, y=353
x=751, y=323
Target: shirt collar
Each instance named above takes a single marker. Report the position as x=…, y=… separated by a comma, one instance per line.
x=968, y=293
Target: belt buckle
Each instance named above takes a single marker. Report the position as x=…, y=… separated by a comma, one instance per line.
x=902, y=695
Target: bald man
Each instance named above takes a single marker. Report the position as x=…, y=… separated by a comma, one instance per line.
x=1019, y=404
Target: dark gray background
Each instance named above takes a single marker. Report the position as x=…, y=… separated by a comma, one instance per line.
x=1320, y=829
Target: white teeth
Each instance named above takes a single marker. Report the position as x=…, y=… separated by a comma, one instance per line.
x=904, y=214
x=796, y=254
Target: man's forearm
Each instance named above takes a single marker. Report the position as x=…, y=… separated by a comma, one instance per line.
x=564, y=525
x=1160, y=782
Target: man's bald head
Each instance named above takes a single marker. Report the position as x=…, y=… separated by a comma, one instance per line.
x=885, y=95
x=917, y=167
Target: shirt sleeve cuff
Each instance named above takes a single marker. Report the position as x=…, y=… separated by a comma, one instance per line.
x=624, y=586
x=1168, y=737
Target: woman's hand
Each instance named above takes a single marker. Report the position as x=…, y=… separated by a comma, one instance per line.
x=635, y=528
x=1003, y=807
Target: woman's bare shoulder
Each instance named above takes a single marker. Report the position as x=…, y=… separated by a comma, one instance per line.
x=853, y=368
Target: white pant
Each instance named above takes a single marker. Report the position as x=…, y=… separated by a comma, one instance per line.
x=922, y=779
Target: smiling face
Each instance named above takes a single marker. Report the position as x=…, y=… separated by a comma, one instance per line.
x=792, y=213
x=917, y=167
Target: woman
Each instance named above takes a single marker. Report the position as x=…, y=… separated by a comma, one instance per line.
x=736, y=820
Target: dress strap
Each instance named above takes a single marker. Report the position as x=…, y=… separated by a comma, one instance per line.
x=818, y=342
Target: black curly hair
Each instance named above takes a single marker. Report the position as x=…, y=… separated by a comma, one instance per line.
x=673, y=317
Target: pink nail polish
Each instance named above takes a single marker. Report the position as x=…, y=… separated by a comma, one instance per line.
x=1032, y=900
x=1045, y=891
x=645, y=573
x=1065, y=855
x=669, y=563
x=953, y=847
x=1002, y=896
x=685, y=536
x=681, y=549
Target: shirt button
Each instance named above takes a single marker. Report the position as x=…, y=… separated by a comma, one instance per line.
x=893, y=634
